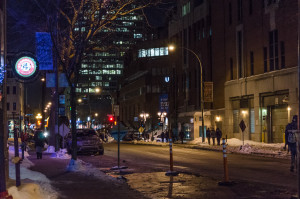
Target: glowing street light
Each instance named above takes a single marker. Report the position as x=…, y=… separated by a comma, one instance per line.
x=172, y=48
x=144, y=116
x=97, y=90
x=39, y=116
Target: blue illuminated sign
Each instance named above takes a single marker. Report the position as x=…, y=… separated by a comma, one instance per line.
x=44, y=50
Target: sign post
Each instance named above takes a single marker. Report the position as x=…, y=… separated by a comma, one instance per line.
x=63, y=131
x=118, y=133
x=243, y=127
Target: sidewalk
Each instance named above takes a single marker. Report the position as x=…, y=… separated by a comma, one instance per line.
x=76, y=185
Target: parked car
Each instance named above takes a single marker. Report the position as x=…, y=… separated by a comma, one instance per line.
x=87, y=142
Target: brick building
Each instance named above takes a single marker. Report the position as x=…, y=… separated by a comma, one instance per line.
x=248, y=50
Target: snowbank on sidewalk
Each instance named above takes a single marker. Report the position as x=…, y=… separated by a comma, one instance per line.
x=247, y=147
x=34, y=184
x=88, y=169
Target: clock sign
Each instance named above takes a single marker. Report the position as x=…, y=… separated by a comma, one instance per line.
x=25, y=67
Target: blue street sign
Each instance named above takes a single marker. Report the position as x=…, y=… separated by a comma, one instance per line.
x=115, y=134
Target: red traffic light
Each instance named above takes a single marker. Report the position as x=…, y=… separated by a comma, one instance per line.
x=111, y=119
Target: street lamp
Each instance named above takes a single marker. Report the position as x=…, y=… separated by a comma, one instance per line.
x=144, y=116
x=161, y=116
x=172, y=48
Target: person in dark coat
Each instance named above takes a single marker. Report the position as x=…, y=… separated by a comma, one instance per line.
x=39, y=141
x=162, y=135
x=167, y=135
x=291, y=129
x=208, y=135
x=213, y=135
x=219, y=135
x=181, y=135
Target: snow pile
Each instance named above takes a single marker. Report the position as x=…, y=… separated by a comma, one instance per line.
x=38, y=185
x=32, y=191
x=87, y=169
x=110, y=139
x=50, y=149
x=11, y=150
x=76, y=165
x=61, y=154
x=246, y=149
x=247, y=146
x=25, y=162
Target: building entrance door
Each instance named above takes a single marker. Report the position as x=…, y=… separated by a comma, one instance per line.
x=277, y=119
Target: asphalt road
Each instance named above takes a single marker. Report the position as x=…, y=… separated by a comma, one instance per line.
x=259, y=171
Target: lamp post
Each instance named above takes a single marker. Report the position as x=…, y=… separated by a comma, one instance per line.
x=161, y=116
x=144, y=117
x=172, y=48
x=43, y=79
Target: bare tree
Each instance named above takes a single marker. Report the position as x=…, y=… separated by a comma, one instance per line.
x=74, y=25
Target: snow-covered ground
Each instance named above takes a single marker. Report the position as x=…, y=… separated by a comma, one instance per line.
x=34, y=185
x=235, y=145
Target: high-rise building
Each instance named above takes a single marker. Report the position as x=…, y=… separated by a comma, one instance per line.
x=101, y=69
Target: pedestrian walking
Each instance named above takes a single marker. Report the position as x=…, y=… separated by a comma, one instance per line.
x=162, y=135
x=39, y=141
x=213, y=135
x=181, y=135
x=208, y=135
x=291, y=129
x=219, y=135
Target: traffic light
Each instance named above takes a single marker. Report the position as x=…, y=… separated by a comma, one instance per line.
x=111, y=119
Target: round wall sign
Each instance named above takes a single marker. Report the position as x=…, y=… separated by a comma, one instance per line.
x=25, y=66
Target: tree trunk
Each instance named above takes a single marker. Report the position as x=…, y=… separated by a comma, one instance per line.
x=73, y=122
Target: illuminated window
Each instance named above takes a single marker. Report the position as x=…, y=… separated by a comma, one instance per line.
x=156, y=52
x=137, y=36
x=153, y=52
x=119, y=65
x=186, y=8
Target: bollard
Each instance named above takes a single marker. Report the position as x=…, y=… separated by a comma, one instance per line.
x=171, y=172
x=226, y=181
x=226, y=178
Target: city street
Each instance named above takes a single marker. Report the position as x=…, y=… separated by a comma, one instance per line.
x=254, y=176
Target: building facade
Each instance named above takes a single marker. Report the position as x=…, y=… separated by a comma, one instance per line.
x=261, y=68
x=146, y=85
x=248, y=52
x=14, y=101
